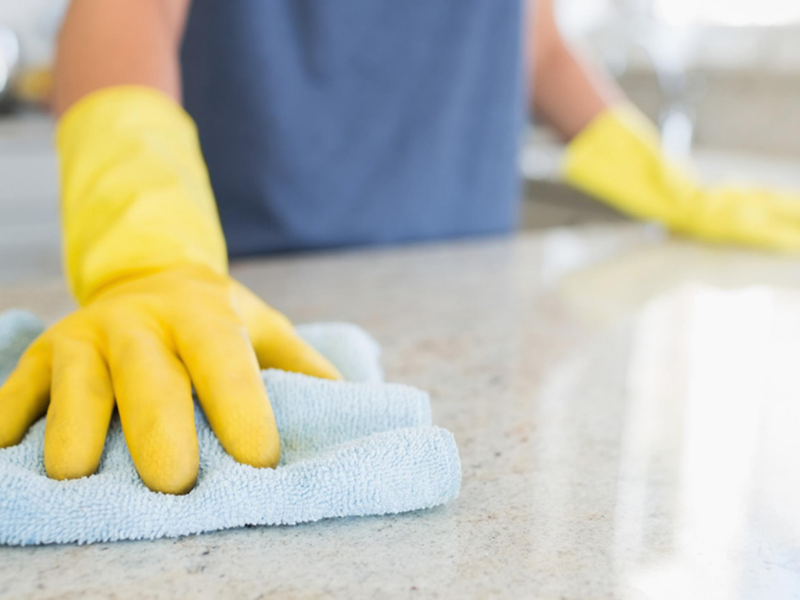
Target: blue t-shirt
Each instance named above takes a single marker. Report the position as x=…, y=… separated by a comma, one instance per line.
x=338, y=122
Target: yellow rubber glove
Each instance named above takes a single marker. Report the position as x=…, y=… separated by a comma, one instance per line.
x=617, y=159
x=146, y=258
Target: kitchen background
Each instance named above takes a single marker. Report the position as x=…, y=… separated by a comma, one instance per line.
x=721, y=77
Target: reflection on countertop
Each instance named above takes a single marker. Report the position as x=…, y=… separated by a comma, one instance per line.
x=625, y=405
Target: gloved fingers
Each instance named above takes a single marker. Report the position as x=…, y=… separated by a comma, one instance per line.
x=783, y=235
x=276, y=342
x=774, y=221
x=154, y=399
x=755, y=217
x=787, y=214
x=81, y=403
x=760, y=206
x=225, y=374
x=26, y=392
x=280, y=347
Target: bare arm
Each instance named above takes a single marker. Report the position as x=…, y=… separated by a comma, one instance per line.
x=566, y=91
x=122, y=42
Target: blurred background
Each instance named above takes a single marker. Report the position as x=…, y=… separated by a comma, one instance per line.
x=720, y=77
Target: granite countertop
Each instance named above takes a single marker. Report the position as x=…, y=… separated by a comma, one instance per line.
x=626, y=409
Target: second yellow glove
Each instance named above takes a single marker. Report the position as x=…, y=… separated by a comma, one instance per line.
x=617, y=158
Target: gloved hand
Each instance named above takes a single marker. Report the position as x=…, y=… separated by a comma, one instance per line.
x=142, y=343
x=617, y=158
x=146, y=260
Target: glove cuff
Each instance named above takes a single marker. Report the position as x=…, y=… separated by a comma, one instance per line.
x=617, y=158
x=136, y=197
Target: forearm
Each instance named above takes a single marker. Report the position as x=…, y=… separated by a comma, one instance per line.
x=569, y=93
x=124, y=42
x=566, y=90
x=135, y=194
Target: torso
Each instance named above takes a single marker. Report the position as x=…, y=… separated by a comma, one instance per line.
x=356, y=121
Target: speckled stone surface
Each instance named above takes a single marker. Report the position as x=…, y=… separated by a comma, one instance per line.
x=626, y=409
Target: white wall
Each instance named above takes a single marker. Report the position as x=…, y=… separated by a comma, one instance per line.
x=35, y=22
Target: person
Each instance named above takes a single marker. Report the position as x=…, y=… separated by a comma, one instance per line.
x=321, y=124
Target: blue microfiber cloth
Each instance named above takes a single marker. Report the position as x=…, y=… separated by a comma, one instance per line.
x=361, y=447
